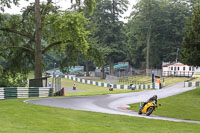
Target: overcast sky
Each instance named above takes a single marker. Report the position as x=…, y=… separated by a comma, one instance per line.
x=63, y=3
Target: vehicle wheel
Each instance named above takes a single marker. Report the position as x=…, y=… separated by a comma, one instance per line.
x=149, y=111
x=140, y=111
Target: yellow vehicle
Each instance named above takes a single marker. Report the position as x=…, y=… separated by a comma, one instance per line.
x=196, y=75
x=148, y=108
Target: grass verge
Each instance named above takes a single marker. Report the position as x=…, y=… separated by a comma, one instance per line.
x=90, y=89
x=182, y=106
x=19, y=117
x=147, y=80
x=173, y=80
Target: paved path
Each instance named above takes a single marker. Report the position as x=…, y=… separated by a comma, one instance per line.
x=115, y=103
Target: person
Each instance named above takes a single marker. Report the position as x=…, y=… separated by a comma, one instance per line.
x=154, y=98
x=132, y=86
x=74, y=86
x=159, y=82
x=110, y=88
x=49, y=84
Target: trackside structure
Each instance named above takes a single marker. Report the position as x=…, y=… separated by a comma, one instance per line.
x=25, y=92
x=191, y=84
x=85, y=81
x=178, y=69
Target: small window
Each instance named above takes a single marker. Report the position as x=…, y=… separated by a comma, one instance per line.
x=171, y=68
x=192, y=68
x=189, y=68
x=178, y=68
x=174, y=68
x=183, y=68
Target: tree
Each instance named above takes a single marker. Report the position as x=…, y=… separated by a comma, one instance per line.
x=45, y=27
x=162, y=28
x=142, y=26
x=191, y=42
x=7, y=3
x=108, y=30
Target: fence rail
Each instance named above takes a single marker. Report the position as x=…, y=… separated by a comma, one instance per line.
x=117, y=86
x=134, y=80
x=177, y=74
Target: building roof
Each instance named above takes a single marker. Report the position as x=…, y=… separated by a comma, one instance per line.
x=174, y=64
x=177, y=64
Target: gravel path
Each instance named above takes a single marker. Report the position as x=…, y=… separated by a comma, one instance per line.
x=115, y=103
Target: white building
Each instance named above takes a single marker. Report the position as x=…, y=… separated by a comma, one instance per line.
x=178, y=69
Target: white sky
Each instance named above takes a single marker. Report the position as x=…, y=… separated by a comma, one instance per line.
x=63, y=3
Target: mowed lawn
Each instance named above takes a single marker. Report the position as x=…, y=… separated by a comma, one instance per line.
x=183, y=106
x=97, y=90
x=148, y=80
x=19, y=117
x=90, y=89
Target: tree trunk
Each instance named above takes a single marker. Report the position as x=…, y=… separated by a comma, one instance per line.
x=103, y=72
x=111, y=66
x=148, y=47
x=38, y=34
x=86, y=68
x=148, y=17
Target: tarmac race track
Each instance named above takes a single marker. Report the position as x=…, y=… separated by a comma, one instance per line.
x=115, y=103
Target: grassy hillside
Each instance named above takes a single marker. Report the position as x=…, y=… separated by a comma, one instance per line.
x=183, y=106
x=90, y=89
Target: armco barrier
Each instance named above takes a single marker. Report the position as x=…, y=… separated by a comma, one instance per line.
x=191, y=84
x=25, y=92
x=86, y=81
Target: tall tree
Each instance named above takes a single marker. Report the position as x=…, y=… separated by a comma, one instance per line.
x=7, y=3
x=191, y=43
x=109, y=28
x=53, y=28
x=164, y=30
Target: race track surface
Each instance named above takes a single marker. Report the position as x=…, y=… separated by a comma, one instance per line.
x=114, y=103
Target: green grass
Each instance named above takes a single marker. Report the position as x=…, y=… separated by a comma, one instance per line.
x=97, y=90
x=147, y=80
x=99, y=80
x=173, y=80
x=19, y=117
x=195, y=80
x=183, y=106
x=90, y=89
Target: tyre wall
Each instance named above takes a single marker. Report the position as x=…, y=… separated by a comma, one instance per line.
x=25, y=92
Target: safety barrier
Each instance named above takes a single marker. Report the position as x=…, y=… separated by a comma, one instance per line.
x=25, y=92
x=191, y=84
x=85, y=81
x=61, y=92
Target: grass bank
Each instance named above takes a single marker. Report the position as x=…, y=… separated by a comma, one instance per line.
x=147, y=80
x=173, y=80
x=19, y=117
x=183, y=106
x=90, y=89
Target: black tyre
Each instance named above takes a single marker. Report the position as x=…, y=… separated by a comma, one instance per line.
x=140, y=111
x=149, y=111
